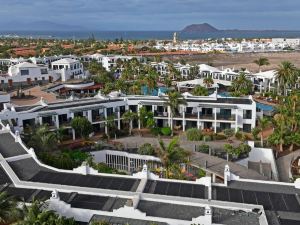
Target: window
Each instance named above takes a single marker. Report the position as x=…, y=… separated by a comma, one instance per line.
x=246, y=128
x=43, y=78
x=247, y=114
x=24, y=72
x=44, y=71
x=35, y=79
x=2, y=81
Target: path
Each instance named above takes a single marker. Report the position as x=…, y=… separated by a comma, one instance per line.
x=214, y=164
x=35, y=91
x=283, y=165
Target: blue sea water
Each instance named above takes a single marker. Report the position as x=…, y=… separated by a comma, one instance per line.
x=147, y=35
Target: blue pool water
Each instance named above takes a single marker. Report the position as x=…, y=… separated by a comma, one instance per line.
x=224, y=94
x=260, y=106
x=146, y=91
x=264, y=107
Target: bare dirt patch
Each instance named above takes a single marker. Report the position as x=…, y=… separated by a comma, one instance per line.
x=239, y=60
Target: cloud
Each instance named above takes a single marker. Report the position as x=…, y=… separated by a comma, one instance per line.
x=155, y=14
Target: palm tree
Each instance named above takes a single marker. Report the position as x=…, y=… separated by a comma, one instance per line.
x=173, y=72
x=208, y=82
x=200, y=91
x=128, y=117
x=278, y=136
x=171, y=154
x=241, y=85
x=110, y=124
x=262, y=124
x=36, y=214
x=262, y=61
x=194, y=71
x=151, y=80
x=145, y=117
x=8, y=208
x=135, y=88
x=43, y=139
x=286, y=74
x=173, y=101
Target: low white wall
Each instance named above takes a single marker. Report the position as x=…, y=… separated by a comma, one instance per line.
x=264, y=155
x=99, y=156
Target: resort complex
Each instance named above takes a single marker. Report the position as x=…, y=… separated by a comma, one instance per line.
x=112, y=138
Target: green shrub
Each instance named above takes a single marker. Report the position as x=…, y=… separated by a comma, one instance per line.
x=155, y=131
x=239, y=135
x=207, y=138
x=146, y=149
x=201, y=173
x=228, y=132
x=166, y=131
x=203, y=148
x=194, y=134
x=218, y=137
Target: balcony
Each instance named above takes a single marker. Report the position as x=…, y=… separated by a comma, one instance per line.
x=65, y=123
x=225, y=117
x=207, y=116
x=161, y=114
x=191, y=115
x=98, y=118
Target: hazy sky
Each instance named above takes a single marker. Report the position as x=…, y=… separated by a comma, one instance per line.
x=153, y=14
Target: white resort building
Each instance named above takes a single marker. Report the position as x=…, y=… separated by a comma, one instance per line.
x=143, y=197
x=26, y=74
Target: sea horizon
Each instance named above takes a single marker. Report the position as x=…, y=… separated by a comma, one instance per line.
x=148, y=35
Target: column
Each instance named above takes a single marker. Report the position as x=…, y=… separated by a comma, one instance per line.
x=236, y=120
x=119, y=119
x=73, y=134
x=139, y=122
x=183, y=118
x=41, y=120
x=169, y=118
x=89, y=115
x=215, y=119
x=56, y=121
x=198, y=120
x=105, y=116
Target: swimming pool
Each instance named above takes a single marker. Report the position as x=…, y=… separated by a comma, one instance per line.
x=145, y=91
x=264, y=107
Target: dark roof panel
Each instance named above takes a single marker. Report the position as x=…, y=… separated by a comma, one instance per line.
x=8, y=146
x=173, y=211
x=175, y=189
x=114, y=183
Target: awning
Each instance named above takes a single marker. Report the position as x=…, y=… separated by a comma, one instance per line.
x=151, y=103
x=218, y=106
x=46, y=114
x=81, y=109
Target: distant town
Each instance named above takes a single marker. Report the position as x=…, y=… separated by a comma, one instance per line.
x=173, y=131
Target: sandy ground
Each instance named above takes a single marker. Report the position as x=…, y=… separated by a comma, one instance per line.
x=35, y=91
x=240, y=60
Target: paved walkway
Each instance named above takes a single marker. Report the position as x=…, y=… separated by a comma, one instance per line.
x=34, y=91
x=284, y=164
x=214, y=164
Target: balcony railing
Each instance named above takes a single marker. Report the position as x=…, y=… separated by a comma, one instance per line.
x=98, y=118
x=191, y=115
x=161, y=114
x=225, y=117
x=207, y=116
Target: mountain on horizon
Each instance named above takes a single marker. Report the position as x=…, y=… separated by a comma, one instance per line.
x=42, y=25
x=203, y=27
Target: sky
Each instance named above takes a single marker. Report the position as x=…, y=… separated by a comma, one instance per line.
x=151, y=14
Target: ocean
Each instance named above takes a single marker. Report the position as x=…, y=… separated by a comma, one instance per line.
x=148, y=35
